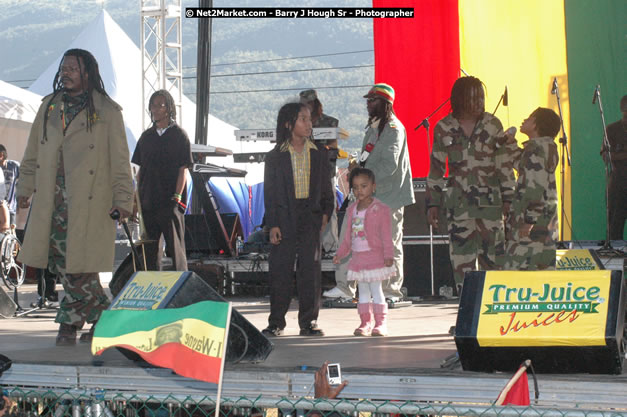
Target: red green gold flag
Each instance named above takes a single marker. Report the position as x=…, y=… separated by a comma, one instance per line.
x=189, y=340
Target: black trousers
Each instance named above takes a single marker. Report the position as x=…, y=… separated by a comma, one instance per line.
x=166, y=224
x=302, y=248
x=618, y=202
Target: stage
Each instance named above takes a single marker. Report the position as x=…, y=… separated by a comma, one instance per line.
x=403, y=366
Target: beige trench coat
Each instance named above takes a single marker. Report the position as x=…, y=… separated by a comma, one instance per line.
x=97, y=177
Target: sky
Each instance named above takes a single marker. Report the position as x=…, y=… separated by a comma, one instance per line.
x=334, y=56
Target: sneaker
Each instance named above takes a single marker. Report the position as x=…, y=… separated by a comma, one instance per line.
x=335, y=292
x=311, y=330
x=272, y=331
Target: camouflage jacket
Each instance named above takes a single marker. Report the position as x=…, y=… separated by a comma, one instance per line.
x=326, y=121
x=480, y=174
x=535, y=197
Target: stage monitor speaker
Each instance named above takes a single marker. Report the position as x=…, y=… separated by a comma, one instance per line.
x=564, y=321
x=245, y=342
x=415, y=216
x=417, y=268
x=7, y=305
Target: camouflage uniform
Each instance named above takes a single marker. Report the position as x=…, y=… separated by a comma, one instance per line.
x=84, y=299
x=535, y=202
x=326, y=121
x=480, y=181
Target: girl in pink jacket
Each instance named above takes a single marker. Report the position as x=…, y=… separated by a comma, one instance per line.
x=370, y=241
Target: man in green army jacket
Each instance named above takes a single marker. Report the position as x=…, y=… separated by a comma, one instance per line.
x=480, y=183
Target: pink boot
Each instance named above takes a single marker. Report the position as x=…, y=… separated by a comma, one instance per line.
x=365, y=314
x=380, y=320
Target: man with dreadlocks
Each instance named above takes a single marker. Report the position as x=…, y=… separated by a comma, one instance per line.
x=480, y=182
x=76, y=167
x=164, y=154
x=384, y=152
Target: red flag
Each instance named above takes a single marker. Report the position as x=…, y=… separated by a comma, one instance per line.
x=516, y=392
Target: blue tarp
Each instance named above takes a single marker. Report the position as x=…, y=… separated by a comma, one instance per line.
x=234, y=196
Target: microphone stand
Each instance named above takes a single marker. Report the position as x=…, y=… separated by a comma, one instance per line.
x=607, y=159
x=425, y=123
x=564, y=151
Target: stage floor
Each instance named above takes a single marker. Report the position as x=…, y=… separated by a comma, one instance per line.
x=405, y=365
x=418, y=338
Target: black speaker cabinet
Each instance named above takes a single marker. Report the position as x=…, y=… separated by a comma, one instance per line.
x=564, y=321
x=245, y=342
x=415, y=216
x=417, y=267
x=7, y=305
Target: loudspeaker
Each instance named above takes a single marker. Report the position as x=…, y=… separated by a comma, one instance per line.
x=415, y=216
x=417, y=267
x=564, y=321
x=7, y=305
x=245, y=342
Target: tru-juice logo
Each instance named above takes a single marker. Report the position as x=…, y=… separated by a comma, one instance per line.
x=552, y=304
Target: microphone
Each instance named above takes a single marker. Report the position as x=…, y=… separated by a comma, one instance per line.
x=115, y=215
x=596, y=94
x=505, y=98
x=503, y=140
x=554, y=88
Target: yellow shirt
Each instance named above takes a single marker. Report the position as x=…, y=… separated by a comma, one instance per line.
x=301, y=167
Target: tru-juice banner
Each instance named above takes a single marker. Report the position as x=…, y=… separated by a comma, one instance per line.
x=545, y=308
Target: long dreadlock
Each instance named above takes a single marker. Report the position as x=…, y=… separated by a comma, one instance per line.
x=461, y=94
x=169, y=103
x=385, y=117
x=286, y=119
x=86, y=64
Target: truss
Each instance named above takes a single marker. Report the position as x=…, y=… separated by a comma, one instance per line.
x=161, y=47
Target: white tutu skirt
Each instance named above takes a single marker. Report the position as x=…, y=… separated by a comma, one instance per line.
x=371, y=275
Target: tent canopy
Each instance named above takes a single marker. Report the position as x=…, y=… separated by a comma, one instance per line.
x=119, y=61
x=18, y=108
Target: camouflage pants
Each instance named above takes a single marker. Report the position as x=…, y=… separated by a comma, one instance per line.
x=532, y=253
x=84, y=298
x=473, y=245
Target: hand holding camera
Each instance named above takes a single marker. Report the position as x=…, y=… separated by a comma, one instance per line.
x=325, y=377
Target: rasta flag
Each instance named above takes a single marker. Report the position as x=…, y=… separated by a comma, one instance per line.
x=189, y=340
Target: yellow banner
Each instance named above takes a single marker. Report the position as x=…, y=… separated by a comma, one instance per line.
x=575, y=260
x=543, y=308
x=521, y=45
x=197, y=335
x=146, y=290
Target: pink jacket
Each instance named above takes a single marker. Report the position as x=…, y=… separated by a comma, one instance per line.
x=378, y=229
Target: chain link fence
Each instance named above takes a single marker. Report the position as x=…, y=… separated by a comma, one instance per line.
x=101, y=403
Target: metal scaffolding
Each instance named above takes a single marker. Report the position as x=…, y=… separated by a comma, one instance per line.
x=161, y=47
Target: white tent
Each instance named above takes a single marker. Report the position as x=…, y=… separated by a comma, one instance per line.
x=18, y=108
x=119, y=61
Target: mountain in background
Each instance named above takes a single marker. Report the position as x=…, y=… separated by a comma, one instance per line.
x=34, y=33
